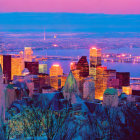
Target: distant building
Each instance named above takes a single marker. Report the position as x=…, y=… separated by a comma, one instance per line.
x=56, y=70
x=124, y=78
x=33, y=67
x=43, y=68
x=28, y=54
x=110, y=97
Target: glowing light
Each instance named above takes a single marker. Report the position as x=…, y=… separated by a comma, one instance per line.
x=55, y=45
x=94, y=48
x=71, y=63
x=56, y=65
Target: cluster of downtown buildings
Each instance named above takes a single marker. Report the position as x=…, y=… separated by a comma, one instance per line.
x=22, y=78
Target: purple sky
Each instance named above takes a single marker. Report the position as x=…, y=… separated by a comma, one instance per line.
x=72, y=6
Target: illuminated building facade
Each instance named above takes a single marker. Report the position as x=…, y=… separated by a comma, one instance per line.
x=127, y=90
x=42, y=68
x=95, y=61
x=100, y=84
x=56, y=70
x=17, y=66
x=28, y=54
x=33, y=67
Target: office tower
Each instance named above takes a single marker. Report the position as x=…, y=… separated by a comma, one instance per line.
x=28, y=54
x=89, y=89
x=73, y=65
x=110, y=78
x=83, y=66
x=124, y=78
x=110, y=97
x=33, y=67
x=70, y=89
x=100, y=84
x=56, y=70
x=42, y=68
x=17, y=66
x=95, y=60
x=7, y=67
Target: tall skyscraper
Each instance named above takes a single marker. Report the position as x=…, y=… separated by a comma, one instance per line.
x=83, y=66
x=100, y=84
x=28, y=54
x=7, y=67
x=95, y=60
x=16, y=66
x=56, y=70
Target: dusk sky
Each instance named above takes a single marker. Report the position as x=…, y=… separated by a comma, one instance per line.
x=72, y=6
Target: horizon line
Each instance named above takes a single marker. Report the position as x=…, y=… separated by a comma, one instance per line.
x=67, y=13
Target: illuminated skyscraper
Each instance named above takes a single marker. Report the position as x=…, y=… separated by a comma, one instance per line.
x=56, y=70
x=28, y=54
x=16, y=66
x=100, y=84
x=95, y=60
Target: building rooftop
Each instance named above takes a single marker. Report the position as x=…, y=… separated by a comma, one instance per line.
x=111, y=91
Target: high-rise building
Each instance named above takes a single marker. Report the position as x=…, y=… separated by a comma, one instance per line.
x=56, y=70
x=43, y=68
x=110, y=78
x=17, y=66
x=7, y=67
x=95, y=61
x=100, y=84
x=124, y=78
x=83, y=66
x=33, y=67
x=28, y=54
